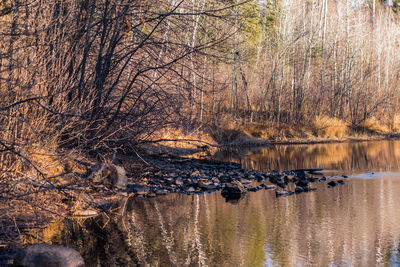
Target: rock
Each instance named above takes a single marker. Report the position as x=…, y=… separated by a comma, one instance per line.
x=215, y=180
x=233, y=188
x=139, y=189
x=332, y=183
x=206, y=185
x=159, y=191
x=300, y=173
x=299, y=190
x=191, y=190
x=253, y=189
x=302, y=183
x=270, y=187
x=245, y=181
x=118, y=176
x=345, y=176
x=312, y=179
x=274, y=179
x=193, y=181
x=281, y=185
x=309, y=189
x=44, y=255
x=279, y=193
x=179, y=181
x=322, y=179
x=341, y=182
x=109, y=174
x=195, y=173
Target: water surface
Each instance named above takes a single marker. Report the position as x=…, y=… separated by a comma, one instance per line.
x=357, y=224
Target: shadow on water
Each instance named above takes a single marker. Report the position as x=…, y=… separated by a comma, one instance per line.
x=357, y=224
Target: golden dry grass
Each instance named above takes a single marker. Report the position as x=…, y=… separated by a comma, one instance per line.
x=324, y=126
x=395, y=124
x=372, y=125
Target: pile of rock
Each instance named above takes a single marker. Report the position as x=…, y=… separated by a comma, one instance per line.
x=200, y=176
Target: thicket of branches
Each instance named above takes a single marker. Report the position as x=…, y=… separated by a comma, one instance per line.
x=93, y=75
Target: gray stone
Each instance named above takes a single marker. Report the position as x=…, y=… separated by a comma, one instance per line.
x=179, y=181
x=191, y=189
x=44, y=255
x=270, y=187
x=109, y=174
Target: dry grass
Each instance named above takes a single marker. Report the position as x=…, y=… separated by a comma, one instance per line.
x=324, y=126
x=372, y=125
x=279, y=132
x=226, y=135
x=260, y=131
x=395, y=124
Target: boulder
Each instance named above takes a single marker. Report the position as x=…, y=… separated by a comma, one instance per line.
x=109, y=174
x=233, y=188
x=44, y=255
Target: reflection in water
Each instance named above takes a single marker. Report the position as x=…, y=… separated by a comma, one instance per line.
x=360, y=156
x=353, y=225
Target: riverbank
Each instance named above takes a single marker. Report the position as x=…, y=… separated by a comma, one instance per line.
x=321, y=130
x=147, y=177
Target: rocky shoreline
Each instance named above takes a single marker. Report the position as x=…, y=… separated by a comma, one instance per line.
x=198, y=176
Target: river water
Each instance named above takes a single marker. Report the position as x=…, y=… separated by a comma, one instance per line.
x=356, y=224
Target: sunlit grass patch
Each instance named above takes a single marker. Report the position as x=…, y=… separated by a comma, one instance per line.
x=395, y=124
x=372, y=125
x=324, y=126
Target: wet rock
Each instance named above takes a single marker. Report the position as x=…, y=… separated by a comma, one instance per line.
x=139, y=189
x=209, y=187
x=270, y=187
x=286, y=179
x=281, y=184
x=159, y=191
x=341, y=182
x=253, y=189
x=191, y=190
x=313, y=179
x=299, y=190
x=44, y=255
x=233, y=199
x=245, y=181
x=233, y=188
x=345, y=176
x=322, y=179
x=279, y=193
x=302, y=183
x=300, y=174
x=275, y=179
x=309, y=189
x=332, y=183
